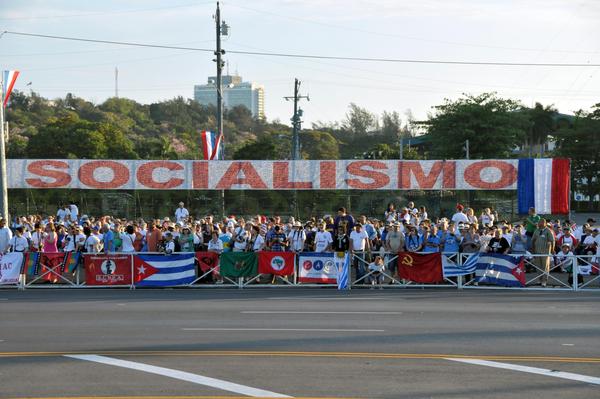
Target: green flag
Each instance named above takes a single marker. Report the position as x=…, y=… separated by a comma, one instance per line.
x=238, y=264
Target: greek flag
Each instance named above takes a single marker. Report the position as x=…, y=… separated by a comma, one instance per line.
x=453, y=269
x=342, y=261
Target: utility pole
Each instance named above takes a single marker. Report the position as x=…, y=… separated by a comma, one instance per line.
x=221, y=29
x=467, y=148
x=116, y=82
x=296, y=122
x=3, y=169
x=296, y=125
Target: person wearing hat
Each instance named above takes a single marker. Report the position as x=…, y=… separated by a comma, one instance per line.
x=186, y=240
x=460, y=216
x=297, y=237
x=181, y=214
x=169, y=245
x=567, y=237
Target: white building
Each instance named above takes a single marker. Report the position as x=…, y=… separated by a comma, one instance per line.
x=235, y=92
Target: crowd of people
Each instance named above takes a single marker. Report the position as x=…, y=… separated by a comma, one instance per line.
x=405, y=229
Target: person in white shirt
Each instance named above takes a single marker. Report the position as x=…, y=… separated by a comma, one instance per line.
x=18, y=243
x=74, y=240
x=74, y=212
x=297, y=237
x=128, y=238
x=487, y=218
x=215, y=245
x=91, y=244
x=323, y=239
x=5, y=236
x=359, y=242
x=240, y=237
x=259, y=238
x=460, y=216
x=181, y=214
x=377, y=277
x=169, y=244
x=62, y=213
x=37, y=238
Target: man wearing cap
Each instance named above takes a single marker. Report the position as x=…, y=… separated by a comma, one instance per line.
x=542, y=243
x=460, y=216
x=5, y=236
x=297, y=237
x=181, y=214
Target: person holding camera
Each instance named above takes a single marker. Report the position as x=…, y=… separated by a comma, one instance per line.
x=278, y=241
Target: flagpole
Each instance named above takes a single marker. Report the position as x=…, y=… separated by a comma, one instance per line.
x=3, y=178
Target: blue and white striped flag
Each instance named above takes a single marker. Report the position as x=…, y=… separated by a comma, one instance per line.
x=342, y=262
x=453, y=269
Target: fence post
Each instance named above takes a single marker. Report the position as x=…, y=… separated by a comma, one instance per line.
x=240, y=283
x=459, y=279
x=132, y=287
x=349, y=276
x=575, y=270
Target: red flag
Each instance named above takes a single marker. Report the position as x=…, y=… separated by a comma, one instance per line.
x=107, y=269
x=278, y=263
x=52, y=263
x=420, y=268
x=208, y=260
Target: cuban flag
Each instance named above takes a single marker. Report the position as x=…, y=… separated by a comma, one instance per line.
x=164, y=270
x=544, y=184
x=210, y=145
x=498, y=269
x=8, y=82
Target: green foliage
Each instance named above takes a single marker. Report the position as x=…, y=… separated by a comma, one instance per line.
x=318, y=145
x=359, y=121
x=386, y=151
x=581, y=143
x=493, y=126
x=267, y=146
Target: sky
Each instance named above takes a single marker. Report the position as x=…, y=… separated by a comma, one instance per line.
x=529, y=31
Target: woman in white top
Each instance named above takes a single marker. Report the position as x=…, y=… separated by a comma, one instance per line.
x=215, y=245
x=91, y=243
x=128, y=238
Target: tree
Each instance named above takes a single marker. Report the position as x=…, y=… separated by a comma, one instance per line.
x=581, y=143
x=241, y=117
x=391, y=124
x=386, y=151
x=268, y=146
x=318, y=145
x=541, y=126
x=493, y=126
x=359, y=121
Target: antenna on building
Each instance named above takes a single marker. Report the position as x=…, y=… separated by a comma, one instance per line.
x=116, y=82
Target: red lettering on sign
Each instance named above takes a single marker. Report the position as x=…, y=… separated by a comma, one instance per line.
x=327, y=174
x=145, y=172
x=120, y=174
x=367, y=169
x=232, y=176
x=281, y=177
x=406, y=169
x=40, y=168
x=508, y=174
x=200, y=175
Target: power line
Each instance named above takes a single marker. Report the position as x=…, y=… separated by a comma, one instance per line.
x=313, y=56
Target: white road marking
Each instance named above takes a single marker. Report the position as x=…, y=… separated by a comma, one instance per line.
x=3, y=299
x=532, y=370
x=332, y=298
x=308, y=312
x=568, y=344
x=182, y=375
x=280, y=329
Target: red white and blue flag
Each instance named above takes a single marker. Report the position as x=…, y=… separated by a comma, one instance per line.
x=211, y=143
x=544, y=184
x=8, y=82
x=164, y=270
x=498, y=269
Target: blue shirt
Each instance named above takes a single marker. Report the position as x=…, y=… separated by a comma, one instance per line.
x=432, y=239
x=413, y=242
x=451, y=243
x=108, y=241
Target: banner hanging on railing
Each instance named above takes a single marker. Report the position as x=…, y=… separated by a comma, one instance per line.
x=487, y=174
x=10, y=267
x=107, y=269
x=320, y=267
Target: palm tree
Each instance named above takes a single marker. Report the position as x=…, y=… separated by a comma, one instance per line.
x=542, y=125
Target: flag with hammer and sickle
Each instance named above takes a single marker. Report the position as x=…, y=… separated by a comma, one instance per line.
x=420, y=268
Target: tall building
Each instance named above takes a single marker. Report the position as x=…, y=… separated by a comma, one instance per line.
x=235, y=92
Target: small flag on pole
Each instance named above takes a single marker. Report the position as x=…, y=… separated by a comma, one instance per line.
x=8, y=82
x=210, y=145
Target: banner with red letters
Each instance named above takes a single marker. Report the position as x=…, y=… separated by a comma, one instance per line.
x=107, y=269
x=263, y=175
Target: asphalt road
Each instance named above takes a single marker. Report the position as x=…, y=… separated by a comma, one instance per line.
x=299, y=343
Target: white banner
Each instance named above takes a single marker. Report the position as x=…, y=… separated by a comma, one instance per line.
x=10, y=267
x=319, y=267
x=263, y=175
